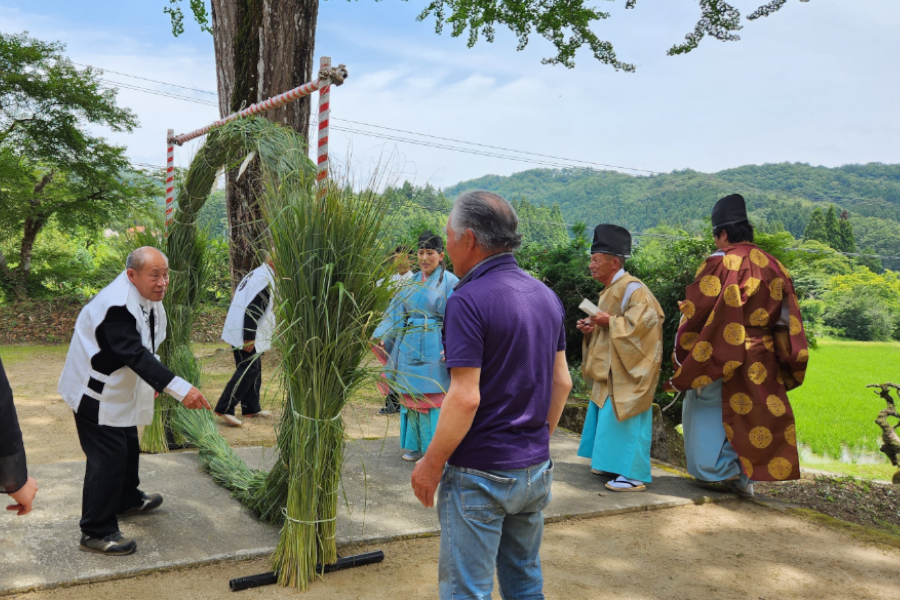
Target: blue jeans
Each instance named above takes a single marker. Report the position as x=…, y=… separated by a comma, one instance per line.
x=492, y=518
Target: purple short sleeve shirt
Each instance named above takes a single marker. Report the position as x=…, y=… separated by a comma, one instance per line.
x=510, y=325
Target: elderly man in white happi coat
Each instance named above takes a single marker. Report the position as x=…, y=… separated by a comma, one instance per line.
x=249, y=326
x=111, y=377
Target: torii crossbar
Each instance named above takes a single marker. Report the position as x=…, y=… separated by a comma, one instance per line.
x=328, y=75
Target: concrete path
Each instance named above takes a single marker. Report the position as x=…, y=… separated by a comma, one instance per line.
x=199, y=522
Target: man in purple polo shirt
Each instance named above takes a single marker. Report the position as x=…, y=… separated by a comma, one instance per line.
x=504, y=344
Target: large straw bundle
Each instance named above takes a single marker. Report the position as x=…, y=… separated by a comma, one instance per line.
x=331, y=288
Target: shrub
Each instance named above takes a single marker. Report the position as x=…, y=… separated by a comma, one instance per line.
x=861, y=317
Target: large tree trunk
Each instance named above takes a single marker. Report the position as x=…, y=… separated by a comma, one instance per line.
x=263, y=48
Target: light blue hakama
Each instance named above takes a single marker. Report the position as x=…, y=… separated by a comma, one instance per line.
x=617, y=447
x=710, y=456
x=417, y=429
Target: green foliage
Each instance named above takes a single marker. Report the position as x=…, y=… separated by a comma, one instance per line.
x=54, y=171
x=564, y=268
x=667, y=267
x=864, y=305
x=833, y=229
x=198, y=9
x=863, y=318
x=847, y=240
x=816, y=229
x=869, y=261
x=567, y=24
x=779, y=197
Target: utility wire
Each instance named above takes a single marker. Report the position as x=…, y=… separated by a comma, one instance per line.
x=146, y=79
x=857, y=202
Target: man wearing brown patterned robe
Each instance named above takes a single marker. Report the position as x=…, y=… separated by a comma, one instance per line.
x=740, y=347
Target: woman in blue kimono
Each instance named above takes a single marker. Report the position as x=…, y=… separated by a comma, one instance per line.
x=413, y=323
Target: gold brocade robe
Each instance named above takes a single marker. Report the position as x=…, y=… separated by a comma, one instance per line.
x=741, y=323
x=623, y=361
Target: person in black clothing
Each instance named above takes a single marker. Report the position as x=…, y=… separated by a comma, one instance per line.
x=110, y=380
x=248, y=328
x=14, y=479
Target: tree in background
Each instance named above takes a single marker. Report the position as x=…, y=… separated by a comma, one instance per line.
x=52, y=168
x=564, y=23
x=816, y=228
x=848, y=242
x=832, y=229
x=265, y=48
x=870, y=262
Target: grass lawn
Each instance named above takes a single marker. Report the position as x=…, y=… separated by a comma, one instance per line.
x=834, y=409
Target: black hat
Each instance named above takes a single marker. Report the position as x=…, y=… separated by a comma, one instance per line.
x=728, y=211
x=430, y=241
x=611, y=239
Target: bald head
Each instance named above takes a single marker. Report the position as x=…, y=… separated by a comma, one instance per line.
x=148, y=270
x=140, y=256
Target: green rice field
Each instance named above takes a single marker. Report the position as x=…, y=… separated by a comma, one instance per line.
x=835, y=412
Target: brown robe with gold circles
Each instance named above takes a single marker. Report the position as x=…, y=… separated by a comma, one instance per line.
x=741, y=322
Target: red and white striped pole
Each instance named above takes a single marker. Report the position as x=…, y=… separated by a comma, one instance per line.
x=324, y=114
x=170, y=177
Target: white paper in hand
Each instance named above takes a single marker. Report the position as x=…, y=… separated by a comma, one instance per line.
x=589, y=307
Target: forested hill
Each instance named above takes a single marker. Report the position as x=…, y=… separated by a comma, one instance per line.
x=778, y=196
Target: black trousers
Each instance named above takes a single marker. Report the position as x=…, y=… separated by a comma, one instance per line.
x=111, y=478
x=244, y=385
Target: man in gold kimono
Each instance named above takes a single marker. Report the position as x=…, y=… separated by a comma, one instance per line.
x=739, y=348
x=622, y=356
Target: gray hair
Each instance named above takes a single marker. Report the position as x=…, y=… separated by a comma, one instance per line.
x=491, y=218
x=138, y=257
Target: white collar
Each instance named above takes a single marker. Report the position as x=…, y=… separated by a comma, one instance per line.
x=145, y=303
x=618, y=276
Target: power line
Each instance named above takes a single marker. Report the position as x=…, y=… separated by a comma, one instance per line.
x=146, y=79
x=119, y=85
x=858, y=202
x=437, y=137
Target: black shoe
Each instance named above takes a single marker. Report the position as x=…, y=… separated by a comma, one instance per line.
x=388, y=410
x=115, y=544
x=150, y=503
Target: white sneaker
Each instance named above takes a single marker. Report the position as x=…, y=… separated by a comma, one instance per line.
x=263, y=413
x=231, y=420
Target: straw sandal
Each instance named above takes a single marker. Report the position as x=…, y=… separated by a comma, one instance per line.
x=632, y=487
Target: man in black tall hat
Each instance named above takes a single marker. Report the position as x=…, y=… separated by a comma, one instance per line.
x=622, y=352
x=739, y=348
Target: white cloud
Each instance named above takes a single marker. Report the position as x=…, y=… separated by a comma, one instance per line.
x=813, y=83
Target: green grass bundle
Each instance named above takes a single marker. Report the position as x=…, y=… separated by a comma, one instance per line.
x=332, y=286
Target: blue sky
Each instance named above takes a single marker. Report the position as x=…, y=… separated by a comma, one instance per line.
x=816, y=83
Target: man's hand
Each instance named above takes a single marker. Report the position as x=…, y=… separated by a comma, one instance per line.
x=24, y=497
x=195, y=399
x=249, y=345
x=425, y=479
x=601, y=319
x=585, y=326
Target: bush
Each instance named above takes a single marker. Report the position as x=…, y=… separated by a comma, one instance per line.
x=565, y=270
x=861, y=317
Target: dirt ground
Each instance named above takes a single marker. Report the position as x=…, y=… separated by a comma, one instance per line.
x=710, y=552
x=49, y=429
x=714, y=551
